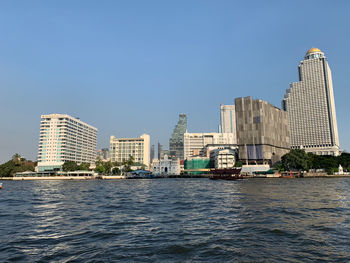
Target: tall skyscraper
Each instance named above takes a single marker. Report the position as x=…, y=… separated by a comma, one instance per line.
x=262, y=131
x=64, y=138
x=122, y=148
x=160, y=149
x=152, y=152
x=227, y=119
x=311, y=108
x=176, y=142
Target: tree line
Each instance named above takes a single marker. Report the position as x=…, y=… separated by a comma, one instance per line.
x=114, y=168
x=298, y=159
x=17, y=164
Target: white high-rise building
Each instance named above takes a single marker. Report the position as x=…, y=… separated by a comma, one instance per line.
x=122, y=148
x=311, y=108
x=65, y=138
x=227, y=119
x=195, y=143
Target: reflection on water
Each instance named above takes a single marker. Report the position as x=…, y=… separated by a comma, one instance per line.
x=259, y=220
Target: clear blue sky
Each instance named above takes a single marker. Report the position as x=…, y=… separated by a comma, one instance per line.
x=130, y=67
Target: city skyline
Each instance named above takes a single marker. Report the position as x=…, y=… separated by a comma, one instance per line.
x=109, y=70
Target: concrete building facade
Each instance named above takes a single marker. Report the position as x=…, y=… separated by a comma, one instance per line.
x=227, y=119
x=195, y=143
x=166, y=166
x=223, y=158
x=122, y=148
x=311, y=107
x=65, y=138
x=263, y=134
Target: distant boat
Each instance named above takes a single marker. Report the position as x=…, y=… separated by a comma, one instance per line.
x=0, y=185
x=226, y=174
x=139, y=174
x=291, y=174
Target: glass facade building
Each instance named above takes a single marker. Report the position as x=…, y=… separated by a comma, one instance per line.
x=176, y=142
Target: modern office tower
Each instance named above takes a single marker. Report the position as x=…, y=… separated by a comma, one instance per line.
x=152, y=152
x=122, y=148
x=310, y=106
x=195, y=143
x=176, y=142
x=160, y=149
x=64, y=138
x=262, y=131
x=227, y=119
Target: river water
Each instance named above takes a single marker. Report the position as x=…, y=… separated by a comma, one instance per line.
x=176, y=220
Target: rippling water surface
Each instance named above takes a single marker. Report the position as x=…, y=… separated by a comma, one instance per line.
x=176, y=220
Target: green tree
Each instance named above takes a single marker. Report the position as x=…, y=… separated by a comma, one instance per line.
x=238, y=164
x=100, y=169
x=279, y=167
x=15, y=165
x=116, y=171
x=84, y=167
x=70, y=166
x=296, y=159
x=108, y=166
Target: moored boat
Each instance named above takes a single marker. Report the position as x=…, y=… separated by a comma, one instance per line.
x=226, y=174
x=0, y=185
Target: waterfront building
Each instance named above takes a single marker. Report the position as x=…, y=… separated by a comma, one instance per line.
x=166, y=166
x=122, y=148
x=262, y=131
x=65, y=138
x=195, y=143
x=227, y=119
x=311, y=108
x=176, y=142
x=197, y=165
x=223, y=158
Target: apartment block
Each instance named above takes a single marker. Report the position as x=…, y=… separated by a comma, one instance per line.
x=122, y=148
x=65, y=138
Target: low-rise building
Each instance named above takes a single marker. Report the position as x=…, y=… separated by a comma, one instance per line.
x=195, y=143
x=196, y=165
x=223, y=158
x=166, y=166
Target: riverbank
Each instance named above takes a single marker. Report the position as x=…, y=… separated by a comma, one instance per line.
x=118, y=177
